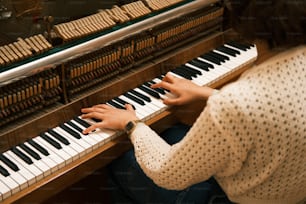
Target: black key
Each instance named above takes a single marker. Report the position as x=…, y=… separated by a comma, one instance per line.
x=58, y=137
x=75, y=126
x=228, y=50
x=116, y=105
x=38, y=147
x=9, y=163
x=51, y=141
x=3, y=171
x=211, y=59
x=30, y=151
x=219, y=58
x=134, y=98
x=238, y=45
x=149, y=91
x=82, y=122
x=143, y=97
x=70, y=131
x=223, y=57
x=181, y=73
x=159, y=90
x=122, y=102
x=200, y=64
x=22, y=156
x=197, y=72
x=187, y=71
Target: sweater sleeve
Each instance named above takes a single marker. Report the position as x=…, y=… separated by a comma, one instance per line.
x=203, y=152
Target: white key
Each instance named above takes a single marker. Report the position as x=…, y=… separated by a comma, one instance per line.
x=93, y=142
x=5, y=191
x=79, y=149
x=59, y=152
x=145, y=112
x=102, y=135
x=10, y=183
x=38, y=163
x=29, y=172
x=52, y=155
x=154, y=101
x=22, y=182
x=66, y=150
x=82, y=141
x=52, y=165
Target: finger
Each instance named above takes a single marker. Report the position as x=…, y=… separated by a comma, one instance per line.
x=169, y=78
x=164, y=85
x=93, y=109
x=172, y=101
x=103, y=106
x=95, y=115
x=89, y=129
x=129, y=107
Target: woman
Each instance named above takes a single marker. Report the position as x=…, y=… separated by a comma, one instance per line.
x=251, y=135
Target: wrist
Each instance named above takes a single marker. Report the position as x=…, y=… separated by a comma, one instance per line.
x=130, y=126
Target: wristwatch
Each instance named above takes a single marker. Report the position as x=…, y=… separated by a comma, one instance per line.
x=130, y=126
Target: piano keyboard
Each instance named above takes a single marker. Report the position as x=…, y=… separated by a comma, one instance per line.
x=31, y=161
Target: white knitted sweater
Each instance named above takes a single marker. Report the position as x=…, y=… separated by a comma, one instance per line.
x=251, y=137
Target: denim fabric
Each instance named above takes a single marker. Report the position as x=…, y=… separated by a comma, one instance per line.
x=129, y=184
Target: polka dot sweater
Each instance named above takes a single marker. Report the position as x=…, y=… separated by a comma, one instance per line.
x=251, y=137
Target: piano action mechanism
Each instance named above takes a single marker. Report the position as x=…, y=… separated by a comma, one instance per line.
x=101, y=57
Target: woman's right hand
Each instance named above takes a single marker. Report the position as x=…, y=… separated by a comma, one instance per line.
x=185, y=91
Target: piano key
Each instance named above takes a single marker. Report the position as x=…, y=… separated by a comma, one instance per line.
x=17, y=177
x=210, y=59
x=145, y=98
x=28, y=171
x=146, y=103
x=5, y=191
x=238, y=45
x=137, y=100
x=114, y=104
x=154, y=100
x=88, y=138
x=52, y=155
x=51, y=141
x=70, y=131
x=159, y=90
x=30, y=151
x=207, y=76
x=102, y=135
x=38, y=147
x=149, y=91
x=59, y=152
x=122, y=102
x=81, y=141
x=8, y=162
x=22, y=156
x=58, y=137
x=12, y=186
x=71, y=153
x=95, y=138
x=228, y=51
x=140, y=111
x=38, y=163
x=3, y=171
x=245, y=55
x=73, y=144
x=47, y=160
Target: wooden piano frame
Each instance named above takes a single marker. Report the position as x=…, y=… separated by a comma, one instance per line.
x=79, y=169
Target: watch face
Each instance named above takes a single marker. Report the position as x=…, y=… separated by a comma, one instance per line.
x=129, y=126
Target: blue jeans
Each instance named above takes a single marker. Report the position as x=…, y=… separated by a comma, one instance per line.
x=129, y=184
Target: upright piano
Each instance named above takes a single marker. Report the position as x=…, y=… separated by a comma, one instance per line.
x=110, y=57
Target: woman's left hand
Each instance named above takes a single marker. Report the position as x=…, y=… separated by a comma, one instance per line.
x=111, y=118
